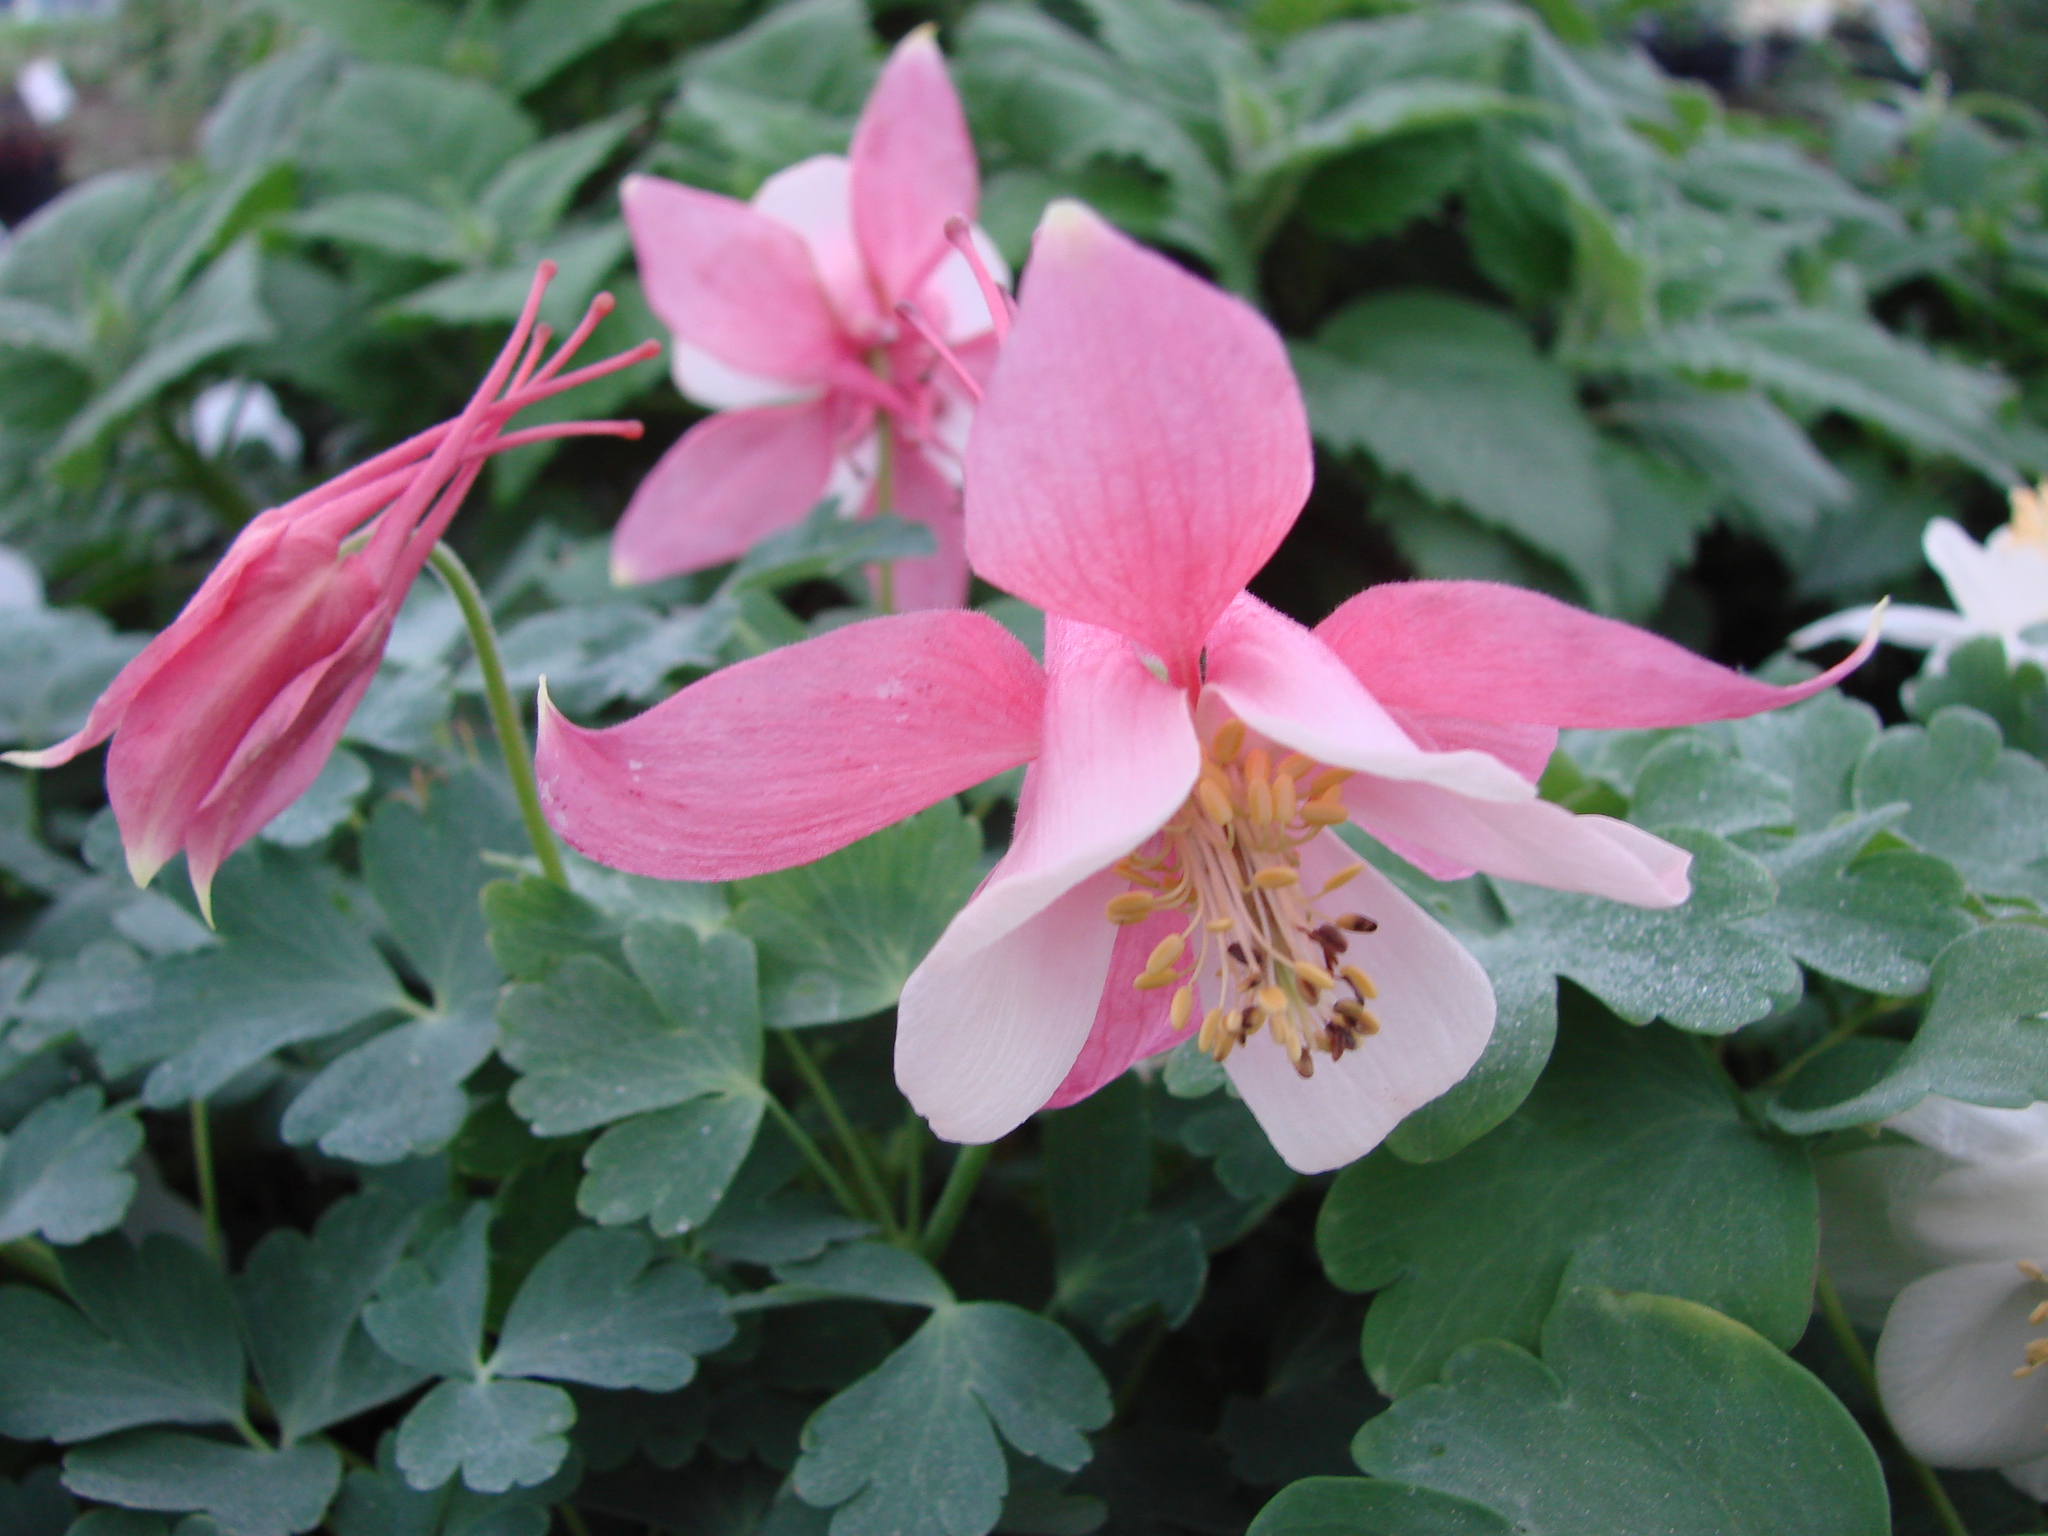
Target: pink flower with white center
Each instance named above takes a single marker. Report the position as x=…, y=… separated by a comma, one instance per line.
x=227, y=716
x=822, y=322
x=1175, y=872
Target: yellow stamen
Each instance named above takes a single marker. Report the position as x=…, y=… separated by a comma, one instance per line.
x=1219, y=924
x=1131, y=907
x=1215, y=804
x=1274, y=878
x=1165, y=952
x=1272, y=1001
x=1326, y=781
x=1152, y=981
x=1293, y=765
x=1359, y=980
x=1342, y=878
x=1227, y=742
x=1260, y=794
x=1326, y=812
x=1183, y=1004
x=1315, y=976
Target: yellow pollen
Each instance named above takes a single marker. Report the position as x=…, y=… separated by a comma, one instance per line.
x=1227, y=742
x=1326, y=781
x=1258, y=766
x=1276, y=878
x=1272, y=1000
x=1284, y=800
x=1325, y=812
x=2032, y=1270
x=1153, y=981
x=1219, y=925
x=1342, y=878
x=1131, y=907
x=1315, y=976
x=1183, y=1005
x=2038, y=1315
x=1260, y=794
x=1293, y=766
x=1359, y=980
x=1215, y=803
x=1165, y=952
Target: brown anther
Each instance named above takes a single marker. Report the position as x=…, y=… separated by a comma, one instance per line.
x=1304, y=1065
x=2032, y=1270
x=1338, y=1042
x=1331, y=937
x=1248, y=1023
x=1358, y=922
x=1236, y=952
x=1275, y=878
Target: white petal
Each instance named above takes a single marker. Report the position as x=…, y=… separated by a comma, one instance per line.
x=1974, y=1133
x=1989, y=1211
x=2030, y=1477
x=1436, y=1009
x=814, y=197
x=1904, y=624
x=981, y=1043
x=1535, y=841
x=718, y=386
x=1866, y=1243
x=1945, y=1364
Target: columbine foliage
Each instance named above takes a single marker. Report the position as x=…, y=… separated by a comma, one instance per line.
x=423, y=1195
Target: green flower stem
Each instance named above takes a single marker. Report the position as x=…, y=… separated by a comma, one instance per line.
x=815, y=1156
x=1836, y=1316
x=952, y=1203
x=32, y=1258
x=879, y=1206
x=885, y=502
x=202, y=1165
x=505, y=717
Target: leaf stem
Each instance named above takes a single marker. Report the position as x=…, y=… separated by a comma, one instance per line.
x=880, y=1208
x=952, y=1202
x=505, y=716
x=815, y=1156
x=202, y=1166
x=1853, y=1023
x=1836, y=1316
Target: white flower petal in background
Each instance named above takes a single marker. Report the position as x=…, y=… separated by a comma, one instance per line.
x=46, y=91
x=21, y=584
x=238, y=411
x=1946, y=1362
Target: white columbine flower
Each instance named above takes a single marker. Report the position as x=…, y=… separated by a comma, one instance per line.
x=1999, y=587
x=1954, y=1231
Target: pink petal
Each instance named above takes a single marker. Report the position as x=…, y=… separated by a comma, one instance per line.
x=1534, y=841
x=1524, y=748
x=789, y=756
x=982, y=1043
x=952, y=295
x=1436, y=1009
x=913, y=168
x=1129, y=1025
x=729, y=482
x=1117, y=758
x=1493, y=652
x=923, y=495
x=1287, y=685
x=1142, y=449
x=733, y=281
x=814, y=197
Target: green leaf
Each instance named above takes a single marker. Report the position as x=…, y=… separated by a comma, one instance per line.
x=672, y=1167
x=1981, y=1040
x=53, y=663
x=258, y=119
x=595, y=1045
x=1695, y=966
x=584, y=254
x=839, y=937
x=1630, y=1165
x=35, y=1506
x=1814, y=746
x=395, y=31
x=429, y=1311
x=599, y=1308
x=1380, y=189
x=301, y=1300
x=1645, y=1413
x=416, y=133
x=911, y=1449
x=545, y=35
x=498, y=1434
x=1978, y=674
x=1356, y=1506
x=398, y=1095
x=427, y=868
x=154, y=1340
x=382, y=1503
x=64, y=1169
x=326, y=803
x=1116, y=1262
x=535, y=926
x=869, y=1272
x=1983, y=809
x=1454, y=396
x=526, y=199
x=389, y=222
x=290, y=967
x=249, y=1492
x=1689, y=781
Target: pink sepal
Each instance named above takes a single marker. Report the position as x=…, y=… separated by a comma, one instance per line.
x=789, y=756
x=913, y=168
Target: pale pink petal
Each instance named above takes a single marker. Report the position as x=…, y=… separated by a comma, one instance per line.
x=1129, y=1025
x=1945, y=1365
x=1287, y=685
x=1142, y=449
x=1535, y=841
x=1117, y=759
x=728, y=482
x=981, y=1043
x=913, y=168
x=717, y=386
x=733, y=281
x=789, y=756
x=924, y=496
x=1523, y=747
x=1493, y=652
x=952, y=295
x=1435, y=1007
x=814, y=197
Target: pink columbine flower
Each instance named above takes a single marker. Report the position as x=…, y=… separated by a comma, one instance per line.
x=1175, y=871
x=225, y=718
x=816, y=320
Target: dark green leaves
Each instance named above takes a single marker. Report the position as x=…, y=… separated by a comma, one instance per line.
x=1645, y=1414
x=1630, y=1165
x=63, y=1170
x=911, y=1449
x=249, y=1492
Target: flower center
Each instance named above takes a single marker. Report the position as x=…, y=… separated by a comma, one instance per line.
x=1259, y=944
x=2037, y=1349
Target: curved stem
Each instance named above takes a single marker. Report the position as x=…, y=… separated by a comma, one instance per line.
x=813, y=1154
x=952, y=1204
x=505, y=717
x=880, y=1208
x=202, y=1164
x=1836, y=1316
